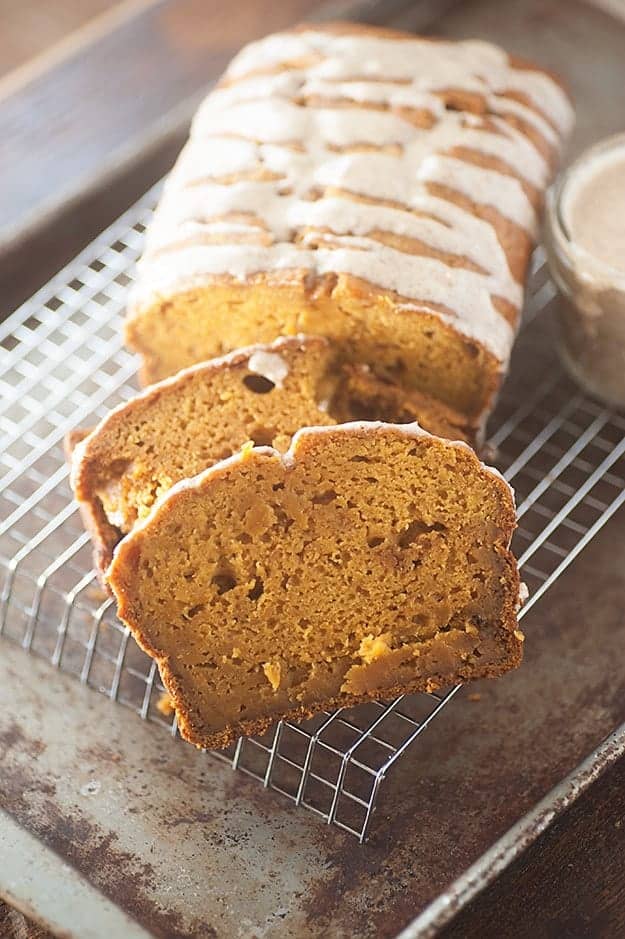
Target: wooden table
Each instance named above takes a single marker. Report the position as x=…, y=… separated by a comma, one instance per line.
x=85, y=133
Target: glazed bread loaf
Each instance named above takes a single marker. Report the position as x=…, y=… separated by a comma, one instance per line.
x=368, y=561
x=184, y=424
x=366, y=185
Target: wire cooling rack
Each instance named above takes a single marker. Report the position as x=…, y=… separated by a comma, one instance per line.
x=63, y=366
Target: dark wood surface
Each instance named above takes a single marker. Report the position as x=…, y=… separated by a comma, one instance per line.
x=571, y=882
x=105, y=120
x=31, y=30
x=99, y=104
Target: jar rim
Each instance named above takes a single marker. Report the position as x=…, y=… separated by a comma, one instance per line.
x=555, y=199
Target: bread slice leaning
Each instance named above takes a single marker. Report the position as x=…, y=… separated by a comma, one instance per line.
x=183, y=425
x=370, y=560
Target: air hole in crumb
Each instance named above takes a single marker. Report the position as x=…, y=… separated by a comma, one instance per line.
x=375, y=541
x=263, y=436
x=258, y=384
x=277, y=486
x=257, y=590
x=324, y=497
x=224, y=581
x=194, y=610
x=414, y=531
x=359, y=458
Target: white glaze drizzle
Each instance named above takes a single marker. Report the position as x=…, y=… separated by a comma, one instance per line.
x=255, y=126
x=269, y=365
x=452, y=230
x=228, y=111
x=473, y=65
x=434, y=281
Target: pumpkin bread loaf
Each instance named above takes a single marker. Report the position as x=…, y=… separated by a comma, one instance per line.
x=368, y=561
x=368, y=185
x=183, y=425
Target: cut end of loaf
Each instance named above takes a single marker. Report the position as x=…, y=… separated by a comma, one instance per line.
x=366, y=562
x=402, y=344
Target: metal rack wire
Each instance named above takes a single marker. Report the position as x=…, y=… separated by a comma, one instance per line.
x=63, y=366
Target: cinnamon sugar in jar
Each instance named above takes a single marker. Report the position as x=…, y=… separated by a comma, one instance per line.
x=585, y=241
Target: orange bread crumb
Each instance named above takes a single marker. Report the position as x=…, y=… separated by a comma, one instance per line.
x=179, y=427
x=368, y=561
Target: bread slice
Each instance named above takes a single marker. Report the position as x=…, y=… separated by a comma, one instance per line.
x=372, y=186
x=367, y=561
x=183, y=425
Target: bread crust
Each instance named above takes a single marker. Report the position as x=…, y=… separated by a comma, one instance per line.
x=220, y=741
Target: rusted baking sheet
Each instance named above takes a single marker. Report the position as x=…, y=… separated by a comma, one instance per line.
x=189, y=849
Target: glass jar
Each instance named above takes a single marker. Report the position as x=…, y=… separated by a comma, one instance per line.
x=583, y=242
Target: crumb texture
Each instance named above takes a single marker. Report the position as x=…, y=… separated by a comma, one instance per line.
x=366, y=562
x=186, y=424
